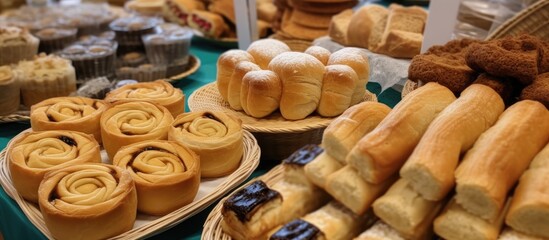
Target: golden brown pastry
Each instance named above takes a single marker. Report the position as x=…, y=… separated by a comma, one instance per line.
x=166, y=174
x=379, y=231
x=542, y=159
x=16, y=44
x=301, y=75
x=223, y=7
x=310, y=19
x=235, y=84
x=68, y=113
x=492, y=167
x=145, y=7
x=264, y=50
x=510, y=234
x=362, y=23
x=124, y=123
x=453, y=132
x=260, y=93
x=9, y=91
x=210, y=24
x=178, y=11
x=358, y=61
x=88, y=201
x=320, y=53
x=226, y=63
x=400, y=44
x=318, y=170
x=215, y=136
x=338, y=86
x=381, y=152
x=32, y=154
x=159, y=92
x=337, y=30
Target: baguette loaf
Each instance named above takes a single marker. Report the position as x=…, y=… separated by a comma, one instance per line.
x=358, y=61
x=235, y=85
x=339, y=25
x=338, y=86
x=319, y=169
x=260, y=93
x=541, y=160
x=226, y=64
x=362, y=23
x=381, y=153
x=500, y=155
x=380, y=231
x=510, y=234
x=264, y=50
x=431, y=166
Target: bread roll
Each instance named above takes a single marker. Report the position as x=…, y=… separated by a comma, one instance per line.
x=510, y=234
x=494, y=164
x=345, y=131
x=226, y=63
x=163, y=171
x=88, y=201
x=260, y=93
x=455, y=223
x=215, y=136
x=347, y=187
x=301, y=75
x=431, y=166
x=9, y=91
x=358, y=61
x=320, y=168
x=542, y=159
x=400, y=44
x=68, y=113
x=235, y=85
x=380, y=231
x=362, y=22
x=320, y=53
x=32, y=154
x=381, y=152
x=264, y=50
x=338, y=26
x=338, y=86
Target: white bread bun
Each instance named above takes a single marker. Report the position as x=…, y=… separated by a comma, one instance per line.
x=358, y=61
x=338, y=86
x=260, y=93
x=235, y=84
x=264, y=50
x=320, y=53
x=226, y=63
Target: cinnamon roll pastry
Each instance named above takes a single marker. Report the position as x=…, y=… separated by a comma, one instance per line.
x=164, y=172
x=68, y=113
x=88, y=201
x=125, y=123
x=159, y=92
x=215, y=136
x=32, y=154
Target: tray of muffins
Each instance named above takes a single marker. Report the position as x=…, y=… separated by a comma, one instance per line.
x=128, y=166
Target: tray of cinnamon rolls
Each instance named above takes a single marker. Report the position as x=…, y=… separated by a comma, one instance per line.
x=435, y=166
x=127, y=166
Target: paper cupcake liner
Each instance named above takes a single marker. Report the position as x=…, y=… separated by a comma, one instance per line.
x=142, y=75
x=132, y=38
x=94, y=67
x=176, y=53
x=12, y=54
x=54, y=45
x=35, y=90
x=9, y=97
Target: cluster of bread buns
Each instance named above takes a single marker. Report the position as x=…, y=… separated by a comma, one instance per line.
x=514, y=66
x=216, y=19
x=396, y=31
x=268, y=76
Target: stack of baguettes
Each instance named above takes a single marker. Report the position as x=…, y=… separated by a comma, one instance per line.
x=308, y=19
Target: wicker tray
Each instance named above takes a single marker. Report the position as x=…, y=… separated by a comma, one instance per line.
x=276, y=136
x=210, y=190
x=212, y=226
x=533, y=20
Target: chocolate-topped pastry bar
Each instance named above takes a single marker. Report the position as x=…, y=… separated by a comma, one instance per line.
x=298, y=230
x=294, y=164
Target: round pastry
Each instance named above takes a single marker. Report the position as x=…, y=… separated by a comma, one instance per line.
x=88, y=201
x=16, y=44
x=226, y=63
x=124, y=123
x=159, y=92
x=265, y=50
x=215, y=136
x=338, y=86
x=261, y=92
x=68, y=113
x=9, y=91
x=358, y=61
x=235, y=85
x=320, y=53
x=166, y=174
x=91, y=61
x=54, y=39
x=32, y=154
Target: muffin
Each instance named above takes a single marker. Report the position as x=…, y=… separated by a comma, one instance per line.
x=45, y=77
x=169, y=48
x=129, y=31
x=55, y=39
x=9, y=91
x=91, y=61
x=16, y=44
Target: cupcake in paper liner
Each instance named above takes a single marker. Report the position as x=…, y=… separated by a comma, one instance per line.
x=16, y=44
x=169, y=48
x=45, y=77
x=9, y=91
x=91, y=61
x=55, y=39
x=129, y=31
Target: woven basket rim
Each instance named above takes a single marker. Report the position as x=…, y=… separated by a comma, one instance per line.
x=194, y=63
x=15, y=117
x=212, y=226
x=248, y=164
x=524, y=15
x=207, y=97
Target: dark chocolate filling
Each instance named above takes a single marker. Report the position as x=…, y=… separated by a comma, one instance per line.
x=304, y=155
x=69, y=141
x=245, y=200
x=297, y=230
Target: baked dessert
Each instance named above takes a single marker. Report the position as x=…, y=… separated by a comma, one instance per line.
x=88, y=201
x=266, y=11
x=261, y=57
x=489, y=170
x=318, y=170
x=358, y=61
x=32, y=154
x=16, y=44
x=132, y=59
x=224, y=8
x=210, y=24
x=124, y=123
x=337, y=30
x=362, y=22
x=430, y=168
x=91, y=61
x=319, y=6
x=510, y=234
x=310, y=19
x=226, y=63
x=261, y=92
x=45, y=77
x=178, y=11
x=381, y=152
x=215, y=136
x=164, y=172
x=301, y=76
x=55, y=39
x=145, y=7
x=68, y=113
x=296, y=31
x=129, y=31
x=378, y=231
x=338, y=86
x=538, y=90
x=169, y=48
x=235, y=84
x=9, y=91
x=320, y=53
x=159, y=92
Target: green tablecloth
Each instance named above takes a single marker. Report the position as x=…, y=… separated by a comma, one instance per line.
x=15, y=225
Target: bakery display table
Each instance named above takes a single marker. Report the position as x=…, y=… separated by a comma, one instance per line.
x=15, y=225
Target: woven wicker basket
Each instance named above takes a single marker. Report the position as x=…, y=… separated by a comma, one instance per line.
x=249, y=163
x=277, y=137
x=212, y=226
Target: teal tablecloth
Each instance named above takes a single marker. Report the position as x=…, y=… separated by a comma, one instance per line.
x=15, y=225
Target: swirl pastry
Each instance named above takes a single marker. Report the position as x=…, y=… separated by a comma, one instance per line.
x=215, y=136
x=159, y=92
x=125, y=123
x=164, y=172
x=88, y=201
x=32, y=154
x=68, y=113
x=9, y=91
